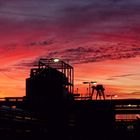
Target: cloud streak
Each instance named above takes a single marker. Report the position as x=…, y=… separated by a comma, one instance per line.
x=130, y=75
x=96, y=54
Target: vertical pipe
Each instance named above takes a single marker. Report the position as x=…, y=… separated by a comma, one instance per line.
x=72, y=79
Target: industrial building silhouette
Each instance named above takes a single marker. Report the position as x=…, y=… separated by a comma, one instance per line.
x=50, y=109
x=50, y=80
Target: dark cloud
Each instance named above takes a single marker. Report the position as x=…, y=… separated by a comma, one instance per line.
x=111, y=79
x=23, y=64
x=40, y=43
x=95, y=54
x=77, y=18
x=23, y=18
x=98, y=16
x=79, y=55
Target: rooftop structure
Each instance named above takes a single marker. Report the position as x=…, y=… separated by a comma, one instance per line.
x=50, y=78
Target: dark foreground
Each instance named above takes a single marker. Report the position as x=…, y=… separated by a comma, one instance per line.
x=86, y=120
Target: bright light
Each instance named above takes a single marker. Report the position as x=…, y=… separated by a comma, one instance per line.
x=116, y=96
x=56, y=60
x=94, y=82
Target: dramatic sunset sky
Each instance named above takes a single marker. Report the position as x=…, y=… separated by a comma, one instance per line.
x=100, y=38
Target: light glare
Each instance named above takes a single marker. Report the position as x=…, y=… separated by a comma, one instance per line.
x=56, y=60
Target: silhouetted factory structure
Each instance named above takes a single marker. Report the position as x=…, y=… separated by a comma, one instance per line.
x=52, y=80
x=51, y=109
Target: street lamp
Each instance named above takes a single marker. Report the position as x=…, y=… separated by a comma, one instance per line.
x=56, y=60
x=89, y=83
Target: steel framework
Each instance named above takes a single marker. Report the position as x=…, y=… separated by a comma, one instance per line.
x=59, y=65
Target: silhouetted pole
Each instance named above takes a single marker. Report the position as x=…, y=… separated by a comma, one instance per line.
x=89, y=87
x=93, y=89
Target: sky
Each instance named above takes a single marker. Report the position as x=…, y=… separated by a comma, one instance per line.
x=99, y=38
